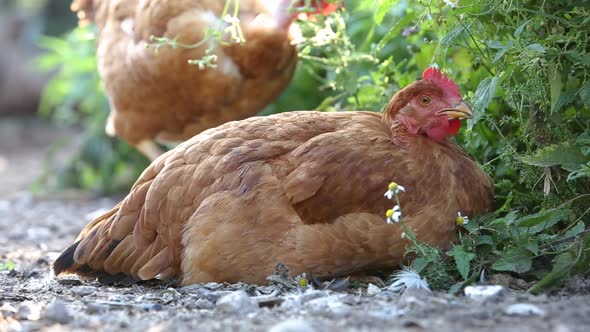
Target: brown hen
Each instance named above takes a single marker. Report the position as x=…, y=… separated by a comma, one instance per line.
x=159, y=96
x=302, y=188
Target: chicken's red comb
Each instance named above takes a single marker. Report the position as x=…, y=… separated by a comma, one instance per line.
x=434, y=75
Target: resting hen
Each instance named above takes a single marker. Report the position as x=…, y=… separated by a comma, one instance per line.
x=159, y=96
x=302, y=188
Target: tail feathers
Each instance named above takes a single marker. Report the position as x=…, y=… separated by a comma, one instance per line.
x=65, y=264
x=97, y=255
x=86, y=257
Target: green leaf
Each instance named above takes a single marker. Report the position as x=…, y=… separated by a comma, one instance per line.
x=462, y=260
x=496, y=44
x=518, y=31
x=395, y=30
x=561, y=268
x=566, y=154
x=531, y=245
x=565, y=99
x=555, y=86
x=502, y=51
x=516, y=259
x=536, y=47
x=419, y=264
x=456, y=288
x=585, y=94
x=579, y=228
x=581, y=172
x=483, y=96
x=507, y=220
x=450, y=38
x=485, y=239
x=383, y=7
x=583, y=263
x=8, y=266
x=542, y=220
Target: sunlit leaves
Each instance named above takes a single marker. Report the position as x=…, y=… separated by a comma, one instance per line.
x=382, y=7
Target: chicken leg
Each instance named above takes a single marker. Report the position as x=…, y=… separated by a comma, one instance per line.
x=150, y=149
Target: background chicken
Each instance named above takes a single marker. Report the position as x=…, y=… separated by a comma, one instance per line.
x=159, y=95
x=301, y=188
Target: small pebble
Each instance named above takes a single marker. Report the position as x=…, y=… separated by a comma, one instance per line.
x=508, y=281
x=269, y=302
x=525, y=309
x=95, y=308
x=201, y=292
x=150, y=306
x=373, y=290
x=292, y=325
x=412, y=296
x=4, y=205
x=7, y=309
x=482, y=292
x=238, y=302
x=204, y=304
x=83, y=290
x=38, y=233
x=56, y=311
x=171, y=295
x=312, y=295
x=29, y=311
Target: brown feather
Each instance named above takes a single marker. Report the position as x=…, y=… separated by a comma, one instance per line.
x=159, y=95
x=302, y=188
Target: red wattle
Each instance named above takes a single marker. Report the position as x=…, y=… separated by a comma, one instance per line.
x=454, y=126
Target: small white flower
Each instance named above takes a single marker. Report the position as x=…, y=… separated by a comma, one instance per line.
x=408, y=278
x=231, y=19
x=461, y=219
x=302, y=280
x=393, y=215
x=403, y=235
x=451, y=3
x=393, y=189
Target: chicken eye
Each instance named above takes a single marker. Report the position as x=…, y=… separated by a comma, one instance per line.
x=425, y=100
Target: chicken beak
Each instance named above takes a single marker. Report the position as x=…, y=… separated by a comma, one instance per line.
x=458, y=111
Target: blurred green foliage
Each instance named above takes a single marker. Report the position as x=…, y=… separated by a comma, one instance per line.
x=75, y=96
x=524, y=67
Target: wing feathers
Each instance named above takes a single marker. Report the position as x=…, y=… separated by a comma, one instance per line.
x=155, y=265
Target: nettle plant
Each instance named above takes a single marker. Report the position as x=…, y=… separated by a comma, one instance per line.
x=525, y=69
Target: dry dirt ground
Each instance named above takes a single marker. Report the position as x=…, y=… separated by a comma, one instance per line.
x=35, y=228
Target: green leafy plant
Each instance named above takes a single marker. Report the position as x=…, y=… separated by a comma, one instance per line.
x=8, y=266
x=75, y=97
x=526, y=72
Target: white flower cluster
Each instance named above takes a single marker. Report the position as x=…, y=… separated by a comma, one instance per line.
x=395, y=214
x=451, y=3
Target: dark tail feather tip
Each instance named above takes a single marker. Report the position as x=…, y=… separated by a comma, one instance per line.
x=65, y=261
